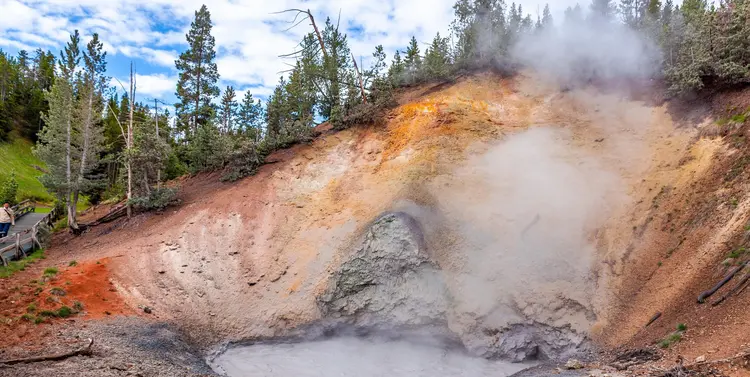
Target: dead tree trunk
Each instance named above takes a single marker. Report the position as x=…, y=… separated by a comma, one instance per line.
x=130, y=141
x=703, y=296
x=361, y=83
x=737, y=288
x=156, y=116
x=83, y=351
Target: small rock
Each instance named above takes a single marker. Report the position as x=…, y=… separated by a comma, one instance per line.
x=162, y=271
x=251, y=283
x=573, y=364
x=57, y=291
x=147, y=310
x=700, y=359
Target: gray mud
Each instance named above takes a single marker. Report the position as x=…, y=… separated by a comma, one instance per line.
x=359, y=357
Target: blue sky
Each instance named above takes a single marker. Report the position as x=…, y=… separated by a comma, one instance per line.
x=249, y=38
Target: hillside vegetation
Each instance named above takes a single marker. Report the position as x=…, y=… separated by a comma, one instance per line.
x=17, y=158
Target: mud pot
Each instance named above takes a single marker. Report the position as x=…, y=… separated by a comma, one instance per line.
x=350, y=356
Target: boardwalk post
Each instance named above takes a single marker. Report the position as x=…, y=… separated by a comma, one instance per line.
x=34, y=240
x=5, y=263
x=18, y=245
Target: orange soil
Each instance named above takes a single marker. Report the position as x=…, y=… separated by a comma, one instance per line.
x=88, y=283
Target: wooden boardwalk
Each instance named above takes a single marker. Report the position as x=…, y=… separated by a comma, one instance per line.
x=23, y=224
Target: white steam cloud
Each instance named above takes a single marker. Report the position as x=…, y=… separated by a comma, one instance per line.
x=589, y=50
x=524, y=212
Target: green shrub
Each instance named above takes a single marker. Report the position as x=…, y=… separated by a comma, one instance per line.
x=27, y=317
x=48, y=313
x=9, y=190
x=39, y=320
x=64, y=312
x=157, y=200
x=50, y=271
x=244, y=160
x=113, y=194
x=61, y=224
x=31, y=308
x=370, y=113
x=681, y=327
x=77, y=306
x=738, y=253
x=72, y=263
x=175, y=166
x=208, y=150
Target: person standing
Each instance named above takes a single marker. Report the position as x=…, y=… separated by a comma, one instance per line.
x=7, y=219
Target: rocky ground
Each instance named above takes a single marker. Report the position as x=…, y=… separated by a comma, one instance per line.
x=123, y=346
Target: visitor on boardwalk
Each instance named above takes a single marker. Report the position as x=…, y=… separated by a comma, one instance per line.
x=7, y=218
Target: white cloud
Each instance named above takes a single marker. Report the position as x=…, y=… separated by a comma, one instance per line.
x=249, y=38
x=149, y=86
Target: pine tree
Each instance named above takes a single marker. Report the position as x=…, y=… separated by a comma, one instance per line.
x=547, y=20
x=56, y=140
x=602, y=10
x=654, y=9
x=378, y=65
x=228, y=110
x=412, y=62
x=436, y=63
x=148, y=156
x=250, y=117
x=396, y=70
x=574, y=15
x=376, y=78
x=481, y=27
x=276, y=111
x=335, y=69
x=196, y=87
x=89, y=109
x=733, y=41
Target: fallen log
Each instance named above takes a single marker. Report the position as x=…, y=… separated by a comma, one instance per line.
x=112, y=215
x=741, y=285
x=84, y=351
x=653, y=319
x=703, y=296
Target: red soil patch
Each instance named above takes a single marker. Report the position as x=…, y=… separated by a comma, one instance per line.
x=21, y=303
x=88, y=284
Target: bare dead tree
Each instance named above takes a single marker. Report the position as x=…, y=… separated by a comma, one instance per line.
x=306, y=15
x=130, y=140
x=361, y=83
x=128, y=136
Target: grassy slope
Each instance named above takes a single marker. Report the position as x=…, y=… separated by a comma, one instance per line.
x=16, y=156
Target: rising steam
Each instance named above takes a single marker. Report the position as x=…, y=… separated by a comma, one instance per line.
x=523, y=213
x=578, y=52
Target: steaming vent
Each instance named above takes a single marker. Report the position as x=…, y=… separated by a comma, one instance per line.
x=390, y=285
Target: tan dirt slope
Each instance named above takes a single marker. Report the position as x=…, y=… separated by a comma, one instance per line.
x=614, y=185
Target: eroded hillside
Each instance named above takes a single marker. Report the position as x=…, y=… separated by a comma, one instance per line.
x=544, y=218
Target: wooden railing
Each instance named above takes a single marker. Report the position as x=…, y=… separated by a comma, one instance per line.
x=26, y=206
x=25, y=237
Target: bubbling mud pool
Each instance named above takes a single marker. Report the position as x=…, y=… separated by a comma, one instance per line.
x=344, y=357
